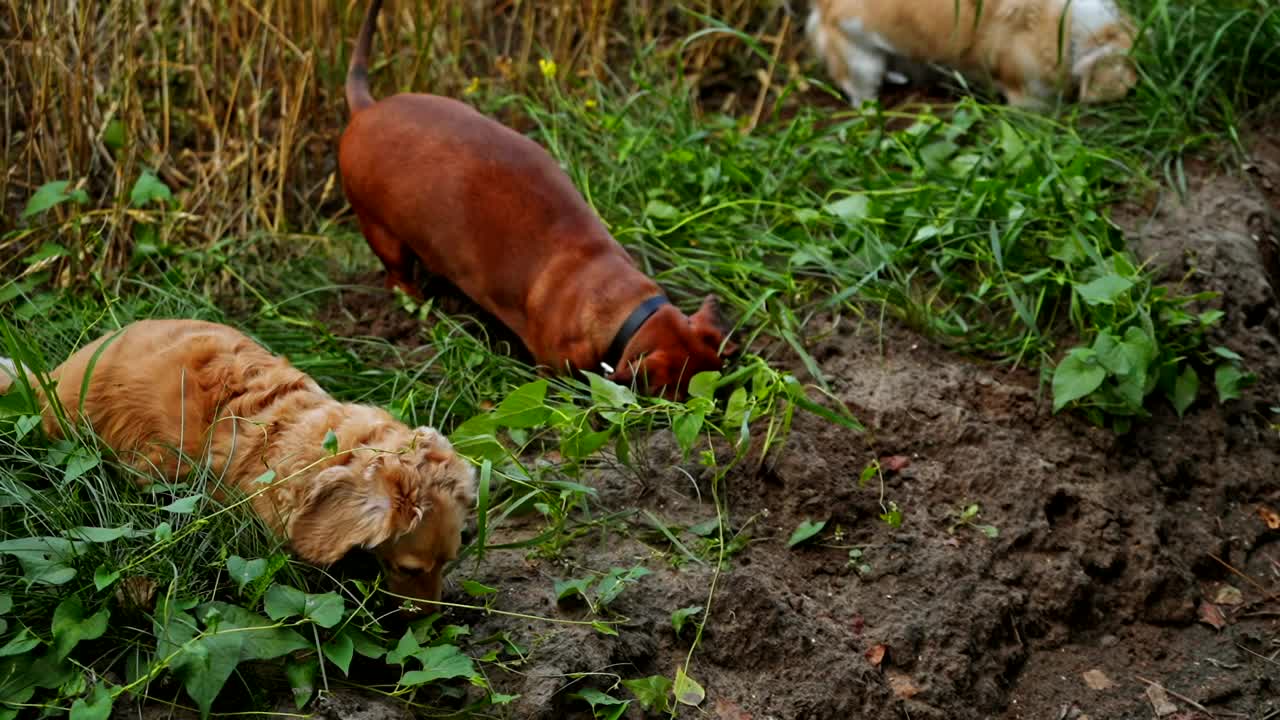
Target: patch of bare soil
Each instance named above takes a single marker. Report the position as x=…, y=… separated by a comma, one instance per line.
x=1132, y=577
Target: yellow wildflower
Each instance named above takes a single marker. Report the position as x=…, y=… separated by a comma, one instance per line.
x=548, y=68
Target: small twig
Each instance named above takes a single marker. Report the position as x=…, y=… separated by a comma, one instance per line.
x=1182, y=697
x=1260, y=656
x=1269, y=593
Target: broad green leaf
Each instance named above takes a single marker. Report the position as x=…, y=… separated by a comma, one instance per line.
x=1185, y=390
x=686, y=429
x=50, y=195
x=149, y=188
x=330, y=442
x=604, y=628
x=851, y=208
x=893, y=517
x=104, y=576
x=525, y=407
x=661, y=210
x=80, y=461
x=805, y=531
x=475, y=439
x=206, y=664
x=438, y=663
x=104, y=535
x=404, y=649
x=70, y=626
x=1228, y=379
x=476, y=589
x=611, y=585
x=581, y=444
x=1226, y=353
x=575, y=586
x=44, y=560
x=687, y=690
x=323, y=609
x=365, y=644
x=183, y=506
x=263, y=639
x=1078, y=375
x=302, y=678
x=1104, y=290
x=653, y=692
x=603, y=706
x=97, y=706
x=340, y=650
x=245, y=571
x=681, y=616
x=6, y=603
x=265, y=478
x=703, y=385
x=609, y=393
x=736, y=412
x=113, y=135
x=19, y=644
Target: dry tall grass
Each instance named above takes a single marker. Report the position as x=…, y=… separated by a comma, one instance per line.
x=237, y=105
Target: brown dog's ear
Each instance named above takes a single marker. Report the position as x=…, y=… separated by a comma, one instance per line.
x=707, y=322
x=340, y=511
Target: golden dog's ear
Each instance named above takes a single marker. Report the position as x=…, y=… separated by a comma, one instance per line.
x=450, y=472
x=339, y=511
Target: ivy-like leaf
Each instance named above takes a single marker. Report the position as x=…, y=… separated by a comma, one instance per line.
x=681, y=616
x=340, y=650
x=302, y=679
x=245, y=571
x=653, y=692
x=97, y=706
x=603, y=705
x=324, y=609
x=1078, y=375
x=438, y=663
x=70, y=626
x=688, y=691
x=805, y=531
x=52, y=194
x=611, y=585
x=525, y=407
x=149, y=188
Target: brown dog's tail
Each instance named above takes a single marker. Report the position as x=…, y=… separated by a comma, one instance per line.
x=358, y=95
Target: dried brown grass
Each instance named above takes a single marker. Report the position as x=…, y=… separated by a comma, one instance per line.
x=237, y=105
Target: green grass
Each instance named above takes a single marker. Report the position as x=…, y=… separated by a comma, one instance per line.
x=983, y=228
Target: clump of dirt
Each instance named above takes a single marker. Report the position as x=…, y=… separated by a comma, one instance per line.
x=1129, y=572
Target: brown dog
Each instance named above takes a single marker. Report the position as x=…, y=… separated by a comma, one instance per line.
x=492, y=212
x=169, y=395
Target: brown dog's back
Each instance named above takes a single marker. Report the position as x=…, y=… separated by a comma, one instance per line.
x=432, y=180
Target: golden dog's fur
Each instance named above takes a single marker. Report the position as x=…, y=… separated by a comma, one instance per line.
x=168, y=395
x=1029, y=48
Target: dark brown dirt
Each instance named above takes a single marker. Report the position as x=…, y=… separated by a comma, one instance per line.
x=1111, y=550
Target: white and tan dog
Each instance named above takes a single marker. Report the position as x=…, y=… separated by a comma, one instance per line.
x=1033, y=50
x=167, y=394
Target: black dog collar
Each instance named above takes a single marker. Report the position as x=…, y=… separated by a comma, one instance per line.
x=630, y=326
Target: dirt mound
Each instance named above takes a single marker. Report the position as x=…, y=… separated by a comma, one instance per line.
x=1114, y=556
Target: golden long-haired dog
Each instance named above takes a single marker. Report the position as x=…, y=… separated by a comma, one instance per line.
x=168, y=395
x=1032, y=49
